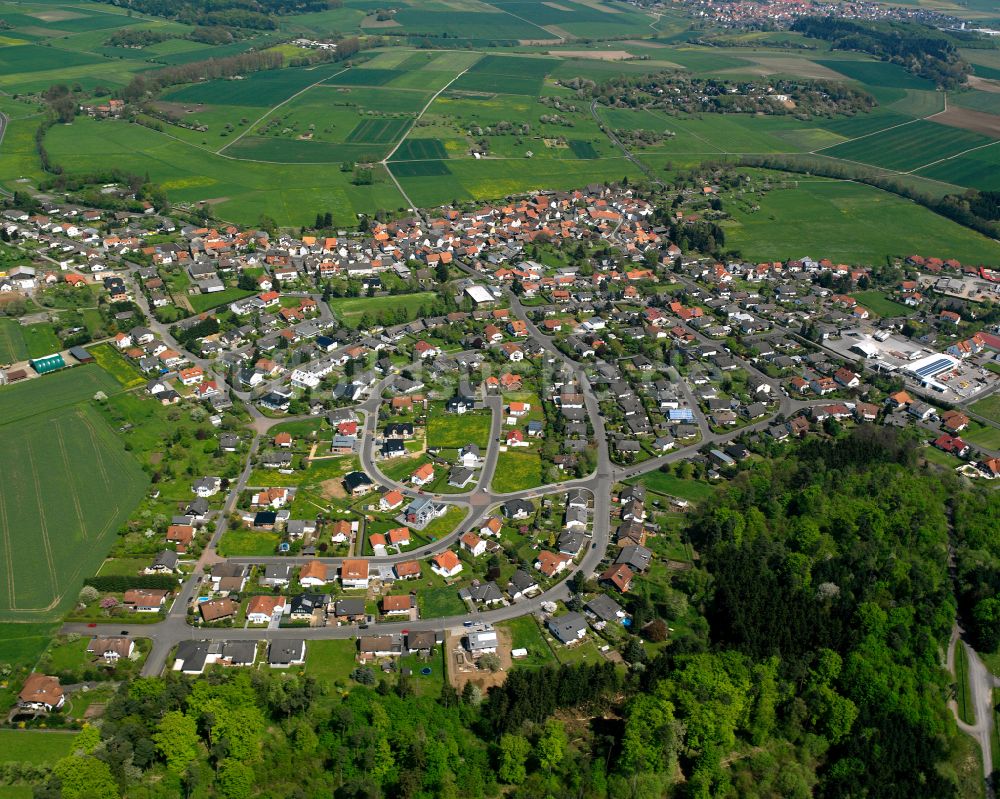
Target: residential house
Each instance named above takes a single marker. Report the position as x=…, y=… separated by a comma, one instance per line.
x=568, y=628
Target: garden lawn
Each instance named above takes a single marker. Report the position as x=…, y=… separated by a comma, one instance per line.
x=40, y=340
x=331, y=661
x=438, y=602
x=983, y=435
x=878, y=302
x=670, y=484
x=526, y=635
x=202, y=302
x=123, y=566
x=453, y=430
x=248, y=543
x=67, y=655
x=444, y=525
x=35, y=746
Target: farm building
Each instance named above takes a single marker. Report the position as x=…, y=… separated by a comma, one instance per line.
x=48, y=363
x=82, y=355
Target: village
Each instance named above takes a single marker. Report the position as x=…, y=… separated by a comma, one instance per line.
x=455, y=420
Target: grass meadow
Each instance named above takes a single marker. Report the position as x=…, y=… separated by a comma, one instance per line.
x=40, y=747
x=350, y=310
x=851, y=223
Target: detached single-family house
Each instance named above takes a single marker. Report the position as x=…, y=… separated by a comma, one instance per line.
x=446, y=564
x=354, y=573
x=41, y=692
x=568, y=628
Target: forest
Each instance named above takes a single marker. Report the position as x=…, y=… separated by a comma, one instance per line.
x=920, y=49
x=815, y=668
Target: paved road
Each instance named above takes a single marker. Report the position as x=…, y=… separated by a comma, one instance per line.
x=479, y=501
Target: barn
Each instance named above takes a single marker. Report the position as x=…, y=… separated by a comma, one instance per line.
x=82, y=355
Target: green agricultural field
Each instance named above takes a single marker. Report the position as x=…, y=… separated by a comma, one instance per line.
x=265, y=89
x=977, y=170
x=517, y=471
x=471, y=25
x=12, y=346
x=35, y=746
x=34, y=58
x=877, y=73
x=239, y=190
x=878, y=302
x=499, y=177
x=910, y=146
x=272, y=150
x=419, y=150
x=506, y=75
x=49, y=393
x=365, y=77
x=69, y=484
x=18, y=157
x=850, y=223
x=350, y=310
x=865, y=124
x=453, y=430
x=987, y=102
x=378, y=131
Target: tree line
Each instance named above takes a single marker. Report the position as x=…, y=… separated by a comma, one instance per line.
x=255, y=14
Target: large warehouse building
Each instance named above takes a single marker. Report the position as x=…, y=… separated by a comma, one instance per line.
x=926, y=369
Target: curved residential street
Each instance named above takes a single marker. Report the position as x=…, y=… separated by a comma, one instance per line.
x=478, y=501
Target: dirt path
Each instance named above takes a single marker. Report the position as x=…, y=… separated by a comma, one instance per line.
x=981, y=684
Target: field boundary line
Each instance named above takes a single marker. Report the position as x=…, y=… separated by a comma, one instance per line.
x=528, y=21
x=8, y=554
x=97, y=449
x=385, y=161
x=42, y=524
x=873, y=133
x=74, y=494
x=254, y=124
x=950, y=157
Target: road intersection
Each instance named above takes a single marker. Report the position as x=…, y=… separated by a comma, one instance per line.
x=478, y=501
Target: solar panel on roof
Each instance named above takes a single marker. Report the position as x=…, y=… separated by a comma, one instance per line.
x=933, y=368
